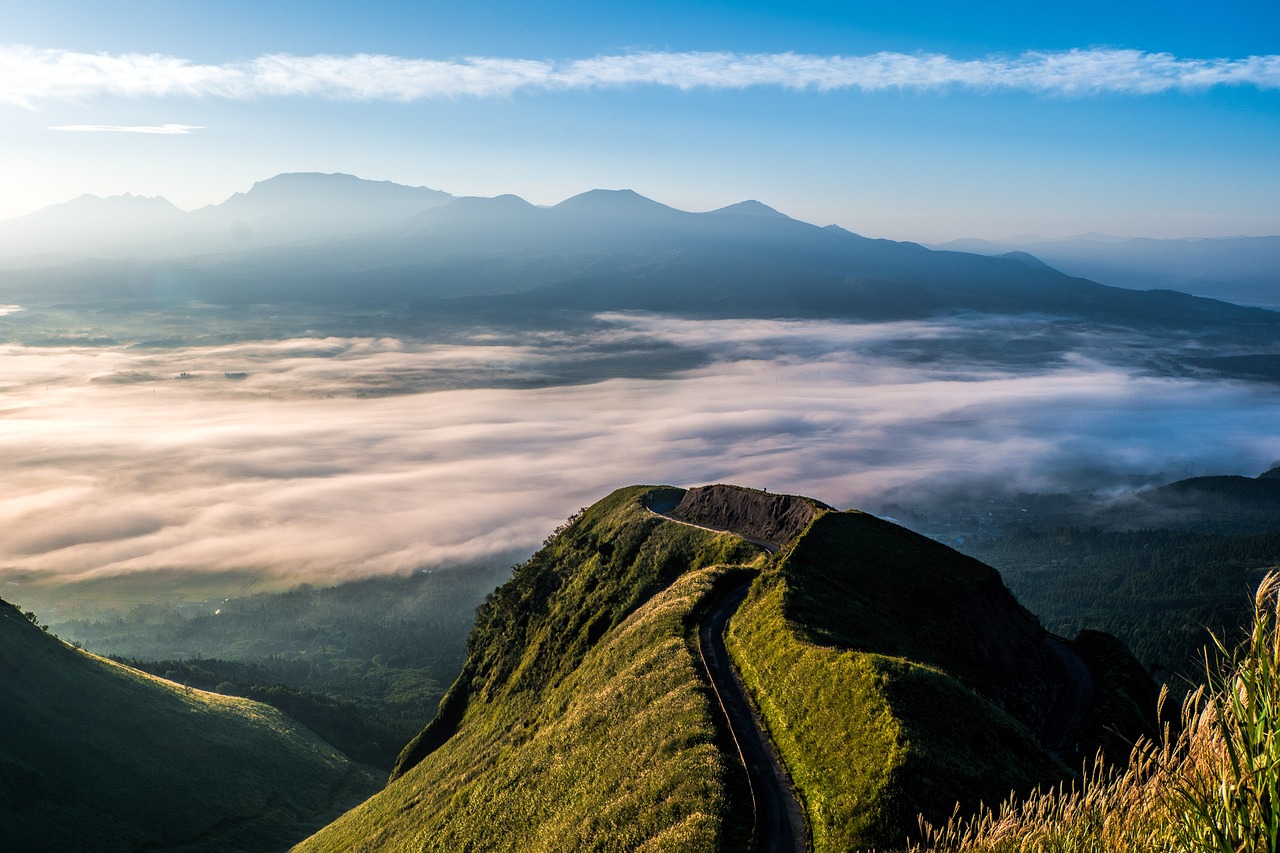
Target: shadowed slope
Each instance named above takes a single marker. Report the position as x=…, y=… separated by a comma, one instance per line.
x=96, y=756
x=898, y=676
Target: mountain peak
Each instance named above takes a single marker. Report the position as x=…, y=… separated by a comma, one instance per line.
x=847, y=605
x=298, y=178
x=1026, y=259
x=291, y=185
x=611, y=200
x=117, y=202
x=750, y=207
x=837, y=229
x=476, y=205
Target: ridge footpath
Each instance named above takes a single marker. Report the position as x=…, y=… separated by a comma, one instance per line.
x=779, y=824
x=778, y=815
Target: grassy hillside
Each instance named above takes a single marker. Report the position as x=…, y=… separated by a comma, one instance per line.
x=580, y=721
x=895, y=675
x=898, y=677
x=96, y=756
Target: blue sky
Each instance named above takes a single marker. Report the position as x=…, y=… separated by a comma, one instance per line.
x=922, y=121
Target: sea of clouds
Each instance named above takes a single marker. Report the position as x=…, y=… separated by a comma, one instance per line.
x=340, y=457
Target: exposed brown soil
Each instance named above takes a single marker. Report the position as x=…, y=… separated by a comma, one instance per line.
x=755, y=514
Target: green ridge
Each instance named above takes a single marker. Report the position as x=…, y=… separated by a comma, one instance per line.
x=895, y=675
x=96, y=756
x=580, y=721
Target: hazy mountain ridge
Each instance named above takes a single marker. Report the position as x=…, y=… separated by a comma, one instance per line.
x=1236, y=269
x=339, y=239
x=288, y=208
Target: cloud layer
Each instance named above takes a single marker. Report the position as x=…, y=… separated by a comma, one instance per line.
x=264, y=457
x=30, y=75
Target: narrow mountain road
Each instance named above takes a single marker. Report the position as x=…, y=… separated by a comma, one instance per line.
x=779, y=817
x=780, y=825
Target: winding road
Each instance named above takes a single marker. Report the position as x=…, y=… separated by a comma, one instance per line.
x=779, y=817
x=779, y=825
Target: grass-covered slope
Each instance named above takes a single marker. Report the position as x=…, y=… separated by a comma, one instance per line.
x=580, y=721
x=895, y=675
x=96, y=756
x=898, y=677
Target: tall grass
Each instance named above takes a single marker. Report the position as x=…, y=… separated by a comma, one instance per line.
x=1211, y=787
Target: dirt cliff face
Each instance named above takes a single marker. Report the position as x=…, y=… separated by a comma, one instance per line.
x=760, y=515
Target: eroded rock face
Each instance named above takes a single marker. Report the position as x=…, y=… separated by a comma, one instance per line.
x=760, y=515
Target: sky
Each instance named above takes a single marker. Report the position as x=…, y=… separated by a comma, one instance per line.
x=928, y=121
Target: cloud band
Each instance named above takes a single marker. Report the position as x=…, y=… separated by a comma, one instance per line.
x=29, y=75
x=114, y=464
x=163, y=129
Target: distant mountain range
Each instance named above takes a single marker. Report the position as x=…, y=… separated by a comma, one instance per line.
x=1237, y=269
x=339, y=240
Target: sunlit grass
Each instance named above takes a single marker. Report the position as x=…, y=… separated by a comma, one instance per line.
x=870, y=740
x=588, y=725
x=620, y=756
x=873, y=739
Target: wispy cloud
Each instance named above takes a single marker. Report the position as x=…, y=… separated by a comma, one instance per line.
x=29, y=75
x=165, y=129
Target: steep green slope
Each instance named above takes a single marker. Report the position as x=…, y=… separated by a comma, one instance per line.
x=895, y=675
x=580, y=721
x=96, y=756
x=898, y=677
x=1160, y=568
